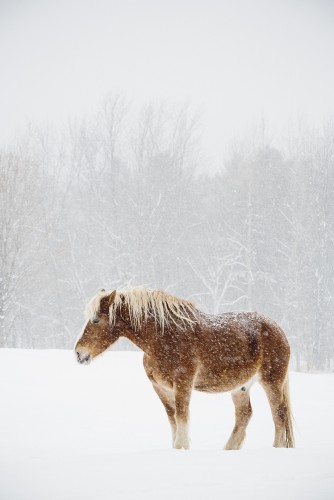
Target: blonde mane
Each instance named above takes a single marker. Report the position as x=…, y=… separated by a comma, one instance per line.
x=142, y=303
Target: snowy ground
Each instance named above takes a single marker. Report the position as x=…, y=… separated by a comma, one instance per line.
x=99, y=432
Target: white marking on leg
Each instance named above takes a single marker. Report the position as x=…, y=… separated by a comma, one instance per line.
x=171, y=399
x=182, y=439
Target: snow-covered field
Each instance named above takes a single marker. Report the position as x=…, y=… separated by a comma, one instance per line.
x=99, y=432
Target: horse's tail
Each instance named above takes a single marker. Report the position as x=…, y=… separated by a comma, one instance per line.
x=289, y=437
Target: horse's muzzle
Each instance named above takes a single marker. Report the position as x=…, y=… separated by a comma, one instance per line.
x=83, y=358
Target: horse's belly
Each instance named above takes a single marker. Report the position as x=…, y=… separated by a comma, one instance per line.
x=213, y=386
x=221, y=382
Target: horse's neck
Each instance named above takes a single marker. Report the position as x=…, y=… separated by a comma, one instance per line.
x=145, y=337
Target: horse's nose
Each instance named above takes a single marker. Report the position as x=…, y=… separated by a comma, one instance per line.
x=83, y=357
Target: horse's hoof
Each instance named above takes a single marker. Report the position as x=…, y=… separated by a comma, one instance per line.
x=181, y=446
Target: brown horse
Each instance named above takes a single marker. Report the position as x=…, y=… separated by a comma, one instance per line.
x=186, y=349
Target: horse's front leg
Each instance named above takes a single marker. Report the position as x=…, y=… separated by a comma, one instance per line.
x=167, y=398
x=165, y=394
x=182, y=391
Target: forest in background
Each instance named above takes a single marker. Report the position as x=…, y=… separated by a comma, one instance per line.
x=127, y=197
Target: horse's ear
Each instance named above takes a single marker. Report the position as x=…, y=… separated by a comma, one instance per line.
x=111, y=298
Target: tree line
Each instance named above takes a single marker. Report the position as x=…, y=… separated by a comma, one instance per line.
x=127, y=197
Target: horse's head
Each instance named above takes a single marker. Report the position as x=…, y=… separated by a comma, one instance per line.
x=98, y=333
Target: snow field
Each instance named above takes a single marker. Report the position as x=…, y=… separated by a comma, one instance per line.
x=98, y=432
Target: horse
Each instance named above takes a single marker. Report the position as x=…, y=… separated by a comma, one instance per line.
x=185, y=349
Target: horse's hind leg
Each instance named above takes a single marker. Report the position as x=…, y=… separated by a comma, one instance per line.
x=278, y=396
x=243, y=413
x=273, y=376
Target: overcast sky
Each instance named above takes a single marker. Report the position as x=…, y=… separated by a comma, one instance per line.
x=235, y=60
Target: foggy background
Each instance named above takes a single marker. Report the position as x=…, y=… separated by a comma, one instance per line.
x=182, y=145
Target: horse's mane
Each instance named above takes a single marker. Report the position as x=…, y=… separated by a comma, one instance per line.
x=144, y=302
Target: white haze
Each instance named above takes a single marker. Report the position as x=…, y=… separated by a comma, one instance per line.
x=142, y=164
x=235, y=61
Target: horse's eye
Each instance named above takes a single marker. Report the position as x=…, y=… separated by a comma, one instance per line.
x=95, y=320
